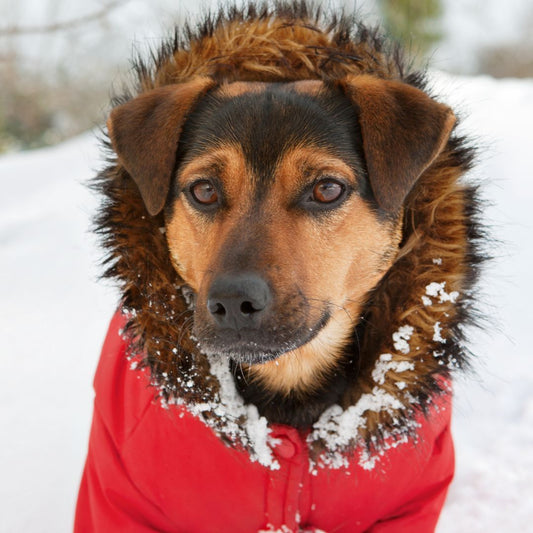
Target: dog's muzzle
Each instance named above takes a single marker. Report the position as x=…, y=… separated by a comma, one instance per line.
x=244, y=320
x=239, y=308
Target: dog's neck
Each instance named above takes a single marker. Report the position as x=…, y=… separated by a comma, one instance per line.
x=309, y=366
x=293, y=409
x=299, y=407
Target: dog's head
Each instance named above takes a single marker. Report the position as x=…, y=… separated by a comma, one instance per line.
x=283, y=205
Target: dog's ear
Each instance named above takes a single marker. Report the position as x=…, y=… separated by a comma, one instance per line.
x=403, y=131
x=145, y=132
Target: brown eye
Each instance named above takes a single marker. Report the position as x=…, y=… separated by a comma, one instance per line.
x=204, y=192
x=327, y=191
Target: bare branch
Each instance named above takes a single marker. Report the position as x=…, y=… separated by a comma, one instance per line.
x=13, y=31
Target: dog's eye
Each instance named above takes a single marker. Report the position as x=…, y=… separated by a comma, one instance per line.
x=327, y=191
x=204, y=193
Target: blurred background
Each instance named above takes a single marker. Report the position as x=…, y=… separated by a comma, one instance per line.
x=59, y=59
x=59, y=63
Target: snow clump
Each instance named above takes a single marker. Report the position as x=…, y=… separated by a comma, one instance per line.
x=231, y=411
x=436, y=290
x=385, y=363
x=401, y=338
x=437, y=333
x=337, y=427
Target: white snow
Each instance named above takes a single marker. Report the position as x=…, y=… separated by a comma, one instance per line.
x=54, y=314
x=230, y=410
x=401, y=339
x=385, y=363
x=336, y=428
x=493, y=489
x=437, y=335
x=436, y=290
x=427, y=301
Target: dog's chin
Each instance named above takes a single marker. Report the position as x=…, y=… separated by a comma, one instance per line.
x=245, y=347
x=250, y=356
x=249, y=353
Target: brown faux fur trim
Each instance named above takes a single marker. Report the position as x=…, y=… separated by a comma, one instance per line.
x=440, y=230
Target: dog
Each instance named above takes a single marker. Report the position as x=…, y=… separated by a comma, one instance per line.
x=296, y=252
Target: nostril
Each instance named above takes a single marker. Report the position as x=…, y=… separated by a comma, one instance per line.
x=216, y=308
x=247, y=308
x=219, y=310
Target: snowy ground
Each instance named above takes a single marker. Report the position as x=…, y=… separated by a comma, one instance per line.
x=53, y=316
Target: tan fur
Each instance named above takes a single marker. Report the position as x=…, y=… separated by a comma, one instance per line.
x=356, y=252
x=304, y=369
x=194, y=243
x=238, y=88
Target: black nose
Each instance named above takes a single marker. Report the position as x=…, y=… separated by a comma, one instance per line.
x=238, y=301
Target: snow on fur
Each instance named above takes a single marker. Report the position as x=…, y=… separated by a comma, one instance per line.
x=401, y=338
x=436, y=290
x=336, y=427
x=234, y=419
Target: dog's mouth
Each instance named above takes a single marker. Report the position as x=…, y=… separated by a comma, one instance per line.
x=254, y=346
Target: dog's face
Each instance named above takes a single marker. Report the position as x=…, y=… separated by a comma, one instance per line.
x=282, y=213
x=270, y=223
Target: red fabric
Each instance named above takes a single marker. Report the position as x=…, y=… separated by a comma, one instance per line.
x=155, y=469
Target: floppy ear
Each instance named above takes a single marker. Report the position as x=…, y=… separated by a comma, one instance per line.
x=145, y=132
x=403, y=131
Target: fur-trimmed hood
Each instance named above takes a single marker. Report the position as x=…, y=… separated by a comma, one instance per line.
x=410, y=336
